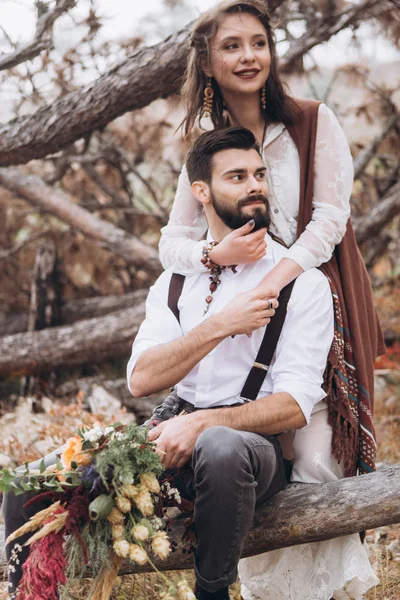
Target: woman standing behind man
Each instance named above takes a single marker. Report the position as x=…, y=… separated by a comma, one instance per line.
x=232, y=76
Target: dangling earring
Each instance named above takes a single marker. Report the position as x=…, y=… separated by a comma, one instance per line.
x=208, y=98
x=264, y=98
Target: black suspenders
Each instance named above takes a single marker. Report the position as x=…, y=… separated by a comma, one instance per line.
x=269, y=342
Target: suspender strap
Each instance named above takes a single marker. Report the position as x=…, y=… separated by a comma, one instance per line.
x=174, y=292
x=261, y=365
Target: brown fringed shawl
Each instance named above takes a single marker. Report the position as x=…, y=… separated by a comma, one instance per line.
x=358, y=339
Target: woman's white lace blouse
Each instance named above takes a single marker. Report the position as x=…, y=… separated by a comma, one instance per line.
x=181, y=245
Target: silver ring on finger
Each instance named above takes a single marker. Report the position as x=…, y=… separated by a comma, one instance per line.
x=270, y=304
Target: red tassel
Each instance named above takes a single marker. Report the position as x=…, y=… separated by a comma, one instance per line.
x=44, y=569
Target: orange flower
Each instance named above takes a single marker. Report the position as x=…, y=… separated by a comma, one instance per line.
x=73, y=453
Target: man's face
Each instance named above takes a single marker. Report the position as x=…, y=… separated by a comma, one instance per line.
x=239, y=188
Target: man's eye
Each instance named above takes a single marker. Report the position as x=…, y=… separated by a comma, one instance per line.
x=237, y=177
x=260, y=176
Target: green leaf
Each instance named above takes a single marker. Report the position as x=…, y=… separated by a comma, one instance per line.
x=59, y=464
x=42, y=466
x=74, y=465
x=87, y=445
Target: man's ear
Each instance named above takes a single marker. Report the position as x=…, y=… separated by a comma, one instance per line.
x=201, y=191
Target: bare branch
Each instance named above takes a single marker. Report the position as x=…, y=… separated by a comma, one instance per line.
x=372, y=223
x=56, y=202
x=42, y=39
x=4, y=254
x=363, y=158
x=325, y=29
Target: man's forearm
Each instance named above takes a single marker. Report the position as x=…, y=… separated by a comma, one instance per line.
x=165, y=365
x=269, y=415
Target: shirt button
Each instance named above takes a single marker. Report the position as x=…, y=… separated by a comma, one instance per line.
x=276, y=210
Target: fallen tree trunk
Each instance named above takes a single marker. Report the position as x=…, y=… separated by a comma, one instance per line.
x=88, y=341
x=77, y=310
x=305, y=513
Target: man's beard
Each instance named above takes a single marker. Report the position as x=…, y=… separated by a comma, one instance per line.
x=233, y=217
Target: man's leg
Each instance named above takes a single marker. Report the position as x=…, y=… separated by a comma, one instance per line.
x=234, y=473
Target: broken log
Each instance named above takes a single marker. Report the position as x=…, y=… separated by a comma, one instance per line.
x=305, y=513
x=88, y=341
x=77, y=310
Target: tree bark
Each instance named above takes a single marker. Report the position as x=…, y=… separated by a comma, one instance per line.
x=58, y=203
x=304, y=513
x=149, y=73
x=88, y=341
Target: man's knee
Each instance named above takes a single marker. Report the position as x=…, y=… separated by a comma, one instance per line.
x=219, y=448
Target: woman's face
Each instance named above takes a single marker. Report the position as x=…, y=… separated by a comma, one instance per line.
x=239, y=55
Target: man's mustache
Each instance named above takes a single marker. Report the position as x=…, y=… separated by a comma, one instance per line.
x=250, y=199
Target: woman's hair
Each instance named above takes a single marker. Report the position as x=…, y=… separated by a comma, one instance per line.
x=279, y=106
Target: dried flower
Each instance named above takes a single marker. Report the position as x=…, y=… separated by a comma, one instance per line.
x=117, y=531
x=115, y=517
x=140, y=532
x=144, y=502
x=123, y=504
x=160, y=545
x=150, y=481
x=130, y=491
x=184, y=591
x=137, y=554
x=93, y=435
x=121, y=548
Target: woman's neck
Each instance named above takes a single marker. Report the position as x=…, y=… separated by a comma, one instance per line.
x=245, y=111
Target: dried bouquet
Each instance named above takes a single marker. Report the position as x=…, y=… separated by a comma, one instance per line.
x=104, y=505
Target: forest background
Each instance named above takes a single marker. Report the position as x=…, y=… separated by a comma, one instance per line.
x=89, y=161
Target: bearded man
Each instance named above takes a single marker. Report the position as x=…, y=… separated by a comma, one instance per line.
x=203, y=340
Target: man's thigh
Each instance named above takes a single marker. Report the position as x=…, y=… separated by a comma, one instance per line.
x=233, y=455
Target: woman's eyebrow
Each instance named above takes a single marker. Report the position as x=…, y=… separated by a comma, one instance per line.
x=236, y=38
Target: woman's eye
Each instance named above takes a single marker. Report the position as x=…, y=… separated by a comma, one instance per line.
x=260, y=44
x=231, y=47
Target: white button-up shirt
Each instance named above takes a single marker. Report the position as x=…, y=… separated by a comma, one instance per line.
x=300, y=358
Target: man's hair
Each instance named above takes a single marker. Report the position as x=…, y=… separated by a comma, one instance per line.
x=199, y=159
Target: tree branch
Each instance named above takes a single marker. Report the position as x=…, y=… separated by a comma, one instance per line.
x=42, y=39
x=363, y=158
x=371, y=224
x=149, y=73
x=56, y=202
x=325, y=29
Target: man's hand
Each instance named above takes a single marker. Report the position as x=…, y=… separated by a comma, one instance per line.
x=240, y=247
x=248, y=311
x=176, y=438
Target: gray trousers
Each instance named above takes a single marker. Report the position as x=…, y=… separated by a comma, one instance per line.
x=231, y=474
